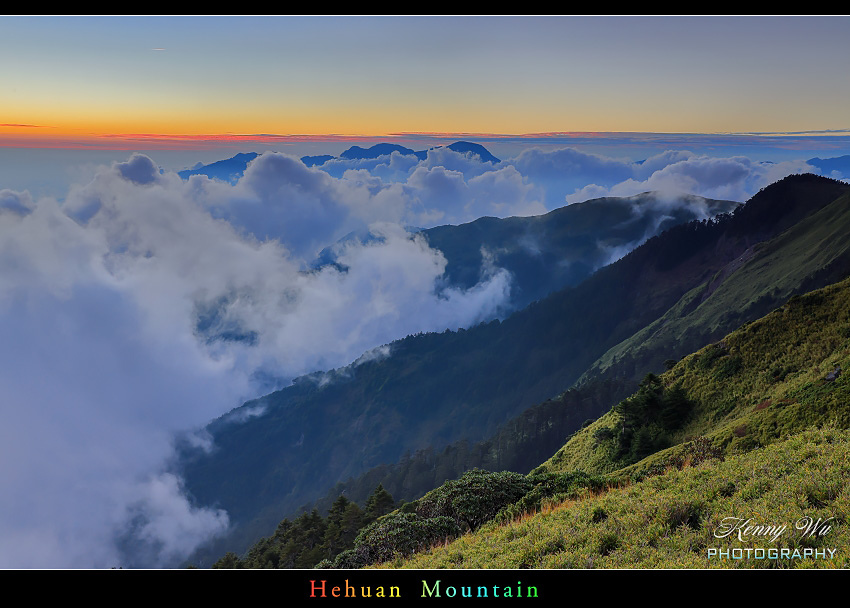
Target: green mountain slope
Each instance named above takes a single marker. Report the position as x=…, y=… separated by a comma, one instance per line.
x=670, y=520
x=764, y=381
x=813, y=253
x=765, y=436
x=435, y=389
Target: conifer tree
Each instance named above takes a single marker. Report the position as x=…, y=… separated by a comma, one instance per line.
x=379, y=503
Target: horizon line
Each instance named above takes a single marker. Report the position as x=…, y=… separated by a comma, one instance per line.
x=178, y=141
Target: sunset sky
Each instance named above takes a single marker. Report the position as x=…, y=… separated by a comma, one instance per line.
x=113, y=82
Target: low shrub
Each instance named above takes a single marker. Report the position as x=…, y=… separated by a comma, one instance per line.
x=474, y=498
x=549, y=486
x=396, y=534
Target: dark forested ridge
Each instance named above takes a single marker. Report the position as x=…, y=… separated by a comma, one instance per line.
x=545, y=253
x=561, y=248
x=437, y=389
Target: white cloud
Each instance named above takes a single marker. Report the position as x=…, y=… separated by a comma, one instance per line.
x=103, y=361
x=562, y=171
x=469, y=165
x=659, y=161
x=733, y=178
x=163, y=524
x=390, y=167
x=504, y=193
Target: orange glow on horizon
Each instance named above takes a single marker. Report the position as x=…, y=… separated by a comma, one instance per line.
x=130, y=141
x=21, y=138
x=19, y=135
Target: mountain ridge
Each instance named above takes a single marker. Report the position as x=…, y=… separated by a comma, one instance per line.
x=560, y=248
x=231, y=169
x=673, y=264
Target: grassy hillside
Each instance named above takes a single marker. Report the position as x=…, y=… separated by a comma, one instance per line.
x=813, y=253
x=761, y=382
x=764, y=436
x=670, y=520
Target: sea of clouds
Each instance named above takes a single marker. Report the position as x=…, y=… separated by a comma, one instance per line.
x=103, y=358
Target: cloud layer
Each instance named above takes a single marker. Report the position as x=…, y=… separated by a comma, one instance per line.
x=144, y=305
x=540, y=179
x=104, y=358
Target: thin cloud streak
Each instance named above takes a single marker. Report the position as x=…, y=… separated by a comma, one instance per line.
x=804, y=140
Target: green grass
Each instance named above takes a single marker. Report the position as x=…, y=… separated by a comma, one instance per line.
x=670, y=520
x=760, y=383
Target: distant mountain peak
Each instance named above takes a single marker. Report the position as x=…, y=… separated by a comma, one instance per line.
x=838, y=166
x=468, y=147
x=382, y=149
x=229, y=169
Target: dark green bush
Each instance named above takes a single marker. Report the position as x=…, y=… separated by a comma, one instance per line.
x=608, y=543
x=474, y=498
x=710, y=355
x=603, y=434
x=648, y=416
x=728, y=367
x=727, y=489
x=549, y=485
x=695, y=452
x=688, y=514
x=397, y=534
x=228, y=562
x=674, y=408
x=599, y=514
x=350, y=559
